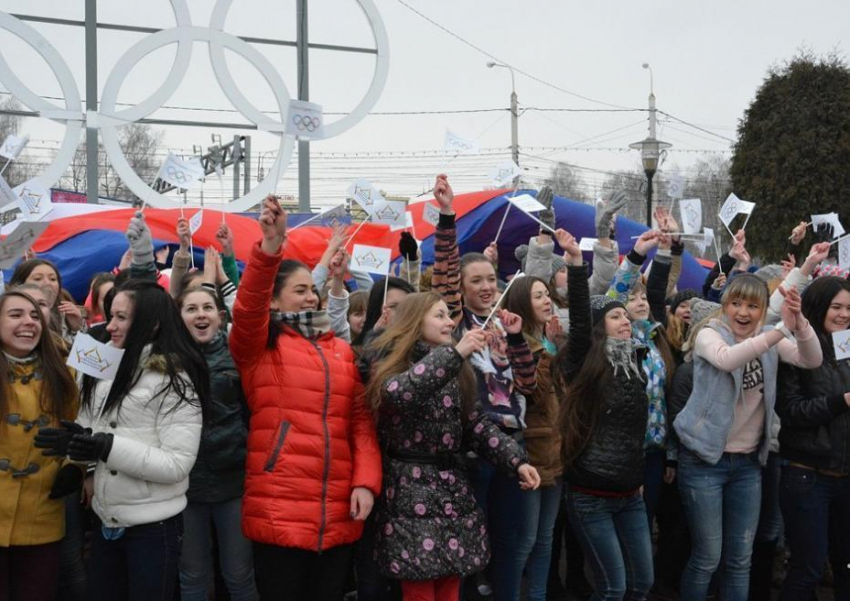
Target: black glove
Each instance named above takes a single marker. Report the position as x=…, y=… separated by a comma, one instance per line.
x=90, y=447
x=56, y=440
x=407, y=246
x=824, y=233
x=68, y=480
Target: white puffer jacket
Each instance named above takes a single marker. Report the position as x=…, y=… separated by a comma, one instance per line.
x=155, y=444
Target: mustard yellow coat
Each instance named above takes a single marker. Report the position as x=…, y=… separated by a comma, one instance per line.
x=27, y=516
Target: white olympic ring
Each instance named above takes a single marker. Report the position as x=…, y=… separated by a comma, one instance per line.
x=303, y=122
x=184, y=34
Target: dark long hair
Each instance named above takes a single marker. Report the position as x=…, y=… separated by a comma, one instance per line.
x=816, y=300
x=156, y=321
x=518, y=300
x=286, y=268
x=579, y=394
x=25, y=268
x=59, y=390
x=375, y=304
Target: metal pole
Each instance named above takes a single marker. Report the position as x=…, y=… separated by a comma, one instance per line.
x=92, y=177
x=237, y=155
x=649, y=176
x=514, y=127
x=302, y=44
x=246, y=157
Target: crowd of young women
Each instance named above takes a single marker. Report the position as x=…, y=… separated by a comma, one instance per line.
x=449, y=448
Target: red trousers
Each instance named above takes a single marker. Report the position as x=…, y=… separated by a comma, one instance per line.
x=442, y=589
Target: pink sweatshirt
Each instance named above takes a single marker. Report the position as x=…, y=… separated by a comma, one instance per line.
x=748, y=426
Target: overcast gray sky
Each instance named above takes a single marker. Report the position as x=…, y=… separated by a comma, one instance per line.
x=708, y=59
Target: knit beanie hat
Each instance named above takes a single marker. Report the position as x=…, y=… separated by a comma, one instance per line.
x=701, y=308
x=828, y=269
x=680, y=297
x=521, y=252
x=769, y=272
x=600, y=305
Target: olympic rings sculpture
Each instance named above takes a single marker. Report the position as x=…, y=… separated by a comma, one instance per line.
x=184, y=34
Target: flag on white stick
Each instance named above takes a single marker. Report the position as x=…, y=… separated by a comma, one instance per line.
x=691, y=209
x=504, y=173
x=94, y=358
x=12, y=146
x=196, y=221
x=527, y=203
x=365, y=194
x=179, y=173
x=431, y=214
x=19, y=241
x=844, y=253
x=841, y=344
x=371, y=259
x=517, y=275
x=7, y=196
x=586, y=244
x=460, y=145
x=676, y=186
x=305, y=120
x=733, y=207
x=34, y=200
x=391, y=213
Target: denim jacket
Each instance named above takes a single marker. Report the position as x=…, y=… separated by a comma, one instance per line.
x=703, y=425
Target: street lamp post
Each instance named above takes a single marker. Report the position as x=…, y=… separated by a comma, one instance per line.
x=514, y=113
x=650, y=149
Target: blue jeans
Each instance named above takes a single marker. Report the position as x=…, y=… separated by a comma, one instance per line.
x=534, y=545
x=615, y=536
x=816, y=509
x=722, y=504
x=234, y=552
x=139, y=566
x=501, y=499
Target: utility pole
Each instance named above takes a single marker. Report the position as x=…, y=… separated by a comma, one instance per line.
x=302, y=42
x=92, y=179
x=514, y=112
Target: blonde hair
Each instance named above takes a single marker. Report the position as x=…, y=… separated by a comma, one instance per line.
x=748, y=288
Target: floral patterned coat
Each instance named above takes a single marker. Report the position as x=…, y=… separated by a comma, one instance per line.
x=428, y=523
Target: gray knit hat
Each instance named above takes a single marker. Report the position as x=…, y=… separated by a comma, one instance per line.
x=769, y=272
x=521, y=252
x=601, y=304
x=701, y=308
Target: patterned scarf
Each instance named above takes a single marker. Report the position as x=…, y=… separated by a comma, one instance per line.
x=310, y=324
x=621, y=354
x=655, y=369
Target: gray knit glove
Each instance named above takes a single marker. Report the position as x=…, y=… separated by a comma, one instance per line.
x=545, y=197
x=139, y=237
x=605, y=213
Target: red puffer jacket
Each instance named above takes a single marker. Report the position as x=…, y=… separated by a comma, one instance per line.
x=311, y=438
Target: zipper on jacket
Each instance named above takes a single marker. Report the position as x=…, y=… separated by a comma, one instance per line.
x=281, y=437
x=327, y=467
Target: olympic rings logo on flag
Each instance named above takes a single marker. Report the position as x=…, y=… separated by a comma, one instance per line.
x=108, y=119
x=306, y=123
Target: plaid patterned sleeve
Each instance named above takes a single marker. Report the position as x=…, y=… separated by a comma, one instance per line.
x=446, y=278
x=523, y=366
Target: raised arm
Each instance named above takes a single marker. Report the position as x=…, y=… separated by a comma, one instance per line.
x=251, y=317
x=141, y=244
x=446, y=278
x=181, y=261
x=411, y=263
x=628, y=273
x=224, y=235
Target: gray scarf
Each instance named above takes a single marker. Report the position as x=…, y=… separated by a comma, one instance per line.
x=621, y=354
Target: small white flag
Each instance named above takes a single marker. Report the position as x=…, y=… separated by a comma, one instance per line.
x=431, y=214
x=527, y=203
x=34, y=200
x=733, y=207
x=841, y=344
x=408, y=220
x=94, y=358
x=371, y=259
x=460, y=145
x=505, y=173
x=391, y=213
x=844, y=253
x=676, y=186
x=587, y=244
x=691, y=209
x=831, y=219
x=707, y=241
x=7, y=196
x=12, y=146
x=196, y=221
x=19, y=241
x=305, y=120
x=179, y=173
x=365, y=194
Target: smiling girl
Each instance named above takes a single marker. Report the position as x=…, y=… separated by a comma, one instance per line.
x=724, y=429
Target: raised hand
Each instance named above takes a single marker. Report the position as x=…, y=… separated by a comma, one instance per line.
x=443, y=194
x=569, y=245
x=511, y=322
x=72, y=314
x=647, y=241
x=791, y=311
x=272, y=224
x=339, y=263
x=605, y=213
x=184, y=233
x=139, y=236
x=472, y=342
x=788, y=264
x=492, y=253
x=798, y=233
x=407, y=246
x=212, y=260
x=224, y=235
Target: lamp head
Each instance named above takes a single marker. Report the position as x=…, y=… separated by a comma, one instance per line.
x=645, y=65
x=491, y=64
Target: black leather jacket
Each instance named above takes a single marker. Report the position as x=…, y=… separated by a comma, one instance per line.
x=614, y=457
x=815, y=417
